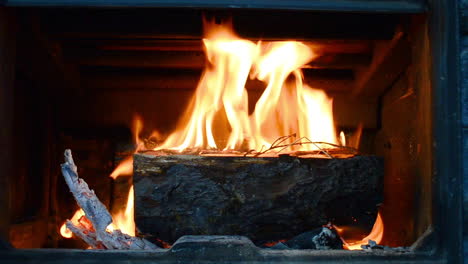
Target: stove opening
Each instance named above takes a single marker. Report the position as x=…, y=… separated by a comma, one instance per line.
x=280, y=126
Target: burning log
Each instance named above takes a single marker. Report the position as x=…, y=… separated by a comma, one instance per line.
x=263, y=198
x=93, y=226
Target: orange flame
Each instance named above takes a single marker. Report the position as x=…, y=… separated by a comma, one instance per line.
x=124, y=220
x=64, y=231
x=376, y=235
x=125, y=168
x=283, y=109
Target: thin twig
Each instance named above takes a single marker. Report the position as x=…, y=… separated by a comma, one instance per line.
x=282, y=139
x=298, y=142
x=277, y=144
x=324, y=151
x=295, y=142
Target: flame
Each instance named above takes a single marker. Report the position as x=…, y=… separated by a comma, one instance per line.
x=125, y=168
x=342, y=139
x=376, y=235
x=124, y=220
x=355, y=140
x=64, y=231
x=221, y=87
x=218, y=115
x=290, y=107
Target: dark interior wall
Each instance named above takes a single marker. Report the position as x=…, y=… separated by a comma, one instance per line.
x=32, y=144
x=7, y=52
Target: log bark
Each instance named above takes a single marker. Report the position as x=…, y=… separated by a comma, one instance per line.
x=97, y=217
x=264, y=199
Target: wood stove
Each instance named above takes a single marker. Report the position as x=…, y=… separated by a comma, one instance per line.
x=74, y=76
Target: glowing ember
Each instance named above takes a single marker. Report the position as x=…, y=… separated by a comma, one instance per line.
x=272, y=243
x=218, y=112
x=75, y=219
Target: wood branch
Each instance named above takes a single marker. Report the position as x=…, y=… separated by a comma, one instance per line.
x=97, y=214
x=84, y=234
x=94, y=210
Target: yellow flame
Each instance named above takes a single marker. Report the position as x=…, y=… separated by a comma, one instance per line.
x=342, y=139
x=125, y=167
x=221, y=89
x=124, y=220
x=284, y=108
x=136, y=130
x=376, y=235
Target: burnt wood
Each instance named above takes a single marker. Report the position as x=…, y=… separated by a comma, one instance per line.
x=322, y=238
x=264, y=199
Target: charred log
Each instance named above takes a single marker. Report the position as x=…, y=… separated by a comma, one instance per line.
x=265, y=199
x=323, y=238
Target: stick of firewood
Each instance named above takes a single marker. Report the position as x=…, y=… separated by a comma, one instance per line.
x=84, y=234
x=97, y=214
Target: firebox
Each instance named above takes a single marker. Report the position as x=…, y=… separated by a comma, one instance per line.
x=260, y=131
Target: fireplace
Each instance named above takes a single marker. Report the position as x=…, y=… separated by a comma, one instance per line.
x=99, y=81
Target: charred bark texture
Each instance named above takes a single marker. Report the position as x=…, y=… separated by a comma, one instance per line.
x=261, y=198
